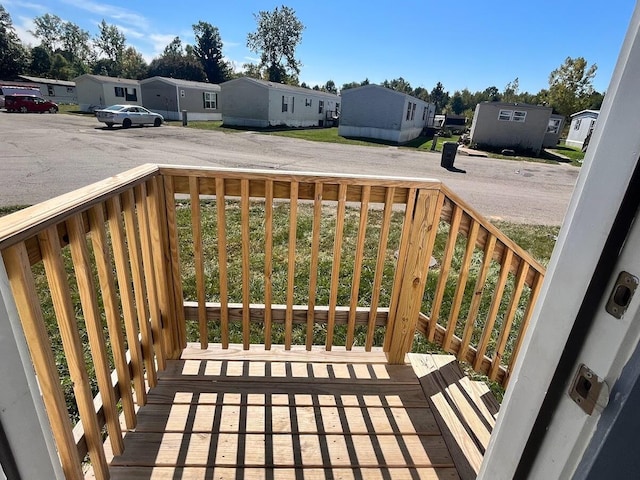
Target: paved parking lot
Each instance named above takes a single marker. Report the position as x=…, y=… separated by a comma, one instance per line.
x=42, y=156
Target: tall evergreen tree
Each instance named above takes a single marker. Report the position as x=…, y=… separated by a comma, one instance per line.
x=13, y=56
x=208, y=50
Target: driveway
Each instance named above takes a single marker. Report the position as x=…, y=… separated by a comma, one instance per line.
x=43, y=156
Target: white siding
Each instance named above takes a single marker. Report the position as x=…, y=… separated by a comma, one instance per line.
x=579, y=128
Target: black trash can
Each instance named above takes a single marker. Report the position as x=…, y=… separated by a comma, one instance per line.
x=449, y=150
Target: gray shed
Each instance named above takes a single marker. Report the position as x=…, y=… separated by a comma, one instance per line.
x=372, y=111
x=169, y=96
x=98, y=91
x=582, y=123
x=249, y=102
x=516, y=126
x=59, y=91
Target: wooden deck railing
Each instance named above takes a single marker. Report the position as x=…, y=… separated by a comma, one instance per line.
x=143, y=262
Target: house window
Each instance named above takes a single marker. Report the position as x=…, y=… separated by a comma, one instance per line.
x=576, y=126
x=308, y=102
x=413, y=111
x=285, y=103
x=337, y=107
x=69, y=89
x=320, y=106
x=424, y=113
x=131, y=95
x=554, y=125
x=519, y=116
x=119, y=91
x=408, y=111
x=210, y=100
x=505, y=115
x=51, y=91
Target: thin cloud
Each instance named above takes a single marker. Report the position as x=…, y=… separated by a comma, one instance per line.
x=112, y=12
x=23, y=30
x=37, y=7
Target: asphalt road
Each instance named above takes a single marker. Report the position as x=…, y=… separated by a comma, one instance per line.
x=42, y=156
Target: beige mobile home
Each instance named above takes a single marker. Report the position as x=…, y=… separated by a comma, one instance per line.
x=515, y=126
x=249, y=102
x=97, y=91
x=372, y=111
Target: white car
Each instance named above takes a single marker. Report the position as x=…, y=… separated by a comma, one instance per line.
x=127, y=115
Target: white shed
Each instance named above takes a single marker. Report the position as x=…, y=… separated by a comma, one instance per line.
x=582, y=123
x=249, y=102
x=97, y=91
x=372, y=111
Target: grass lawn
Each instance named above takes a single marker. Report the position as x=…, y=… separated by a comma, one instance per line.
x=73, y=110
x=575, y=154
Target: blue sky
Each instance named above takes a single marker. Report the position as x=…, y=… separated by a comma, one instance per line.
x=466, y=44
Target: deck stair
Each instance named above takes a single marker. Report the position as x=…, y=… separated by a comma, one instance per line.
x=464, y=409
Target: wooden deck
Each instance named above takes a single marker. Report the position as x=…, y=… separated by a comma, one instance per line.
x=219, y=414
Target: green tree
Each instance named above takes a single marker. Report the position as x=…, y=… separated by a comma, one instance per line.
x=60, y=68
x=111, y=42
x=347, y=86
x=439, y=97
x=330, y=87
x=75, y=42
x=252, y=70
x=399, y=85
x=456, y=104
x=13, y=56
x=571, y=86
x=208, y=50
x=277, y=35
x=40, y=61
x=48, y=29
x=175, y=62
x=511, y=91
x=133, y=64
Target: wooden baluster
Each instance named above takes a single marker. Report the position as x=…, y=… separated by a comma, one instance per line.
x=114, y=214
x=174, y=255
x=93, y=323
x=222, y=261
x=460, y=287
x=357, y=264
x=291, y=264
x=474, y=307
x=150, y=274
x=505, y=330
x=421, y=238
x=533, y=298
x=139, y=289
x=335, y=267
x=268, y=261
x=496, y=300
x=196, y=228
x=16, y=260
x=67, y=322
x=379, y=273
x=246, y=264
x=445, y=267
x=110, y=301
x=313, y=268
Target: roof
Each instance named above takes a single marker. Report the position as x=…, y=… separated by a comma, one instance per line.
x=48, y=81
x=104, y=79
x=586, y=113
x=181, y=83
x=280, y=86
x=516, y=105
x=380, y=88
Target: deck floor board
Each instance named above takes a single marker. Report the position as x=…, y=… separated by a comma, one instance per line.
x=219, y=414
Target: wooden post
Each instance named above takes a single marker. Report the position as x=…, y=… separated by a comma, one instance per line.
x=421, y=236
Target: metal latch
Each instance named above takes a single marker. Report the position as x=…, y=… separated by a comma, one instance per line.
x=589, y=391
x=620, y=297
